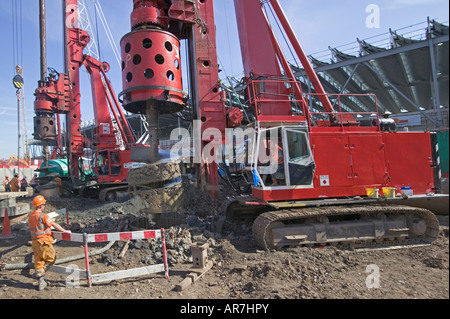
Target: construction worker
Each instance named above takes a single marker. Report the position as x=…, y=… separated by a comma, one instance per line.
x=7, y=184
x=23, y=184
x=276, y=158
x=33, y=181
x=42, y=240
x=15, y=185
x=59, y=184
x=101, y=164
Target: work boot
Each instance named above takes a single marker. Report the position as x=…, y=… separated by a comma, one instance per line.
x=42, y=283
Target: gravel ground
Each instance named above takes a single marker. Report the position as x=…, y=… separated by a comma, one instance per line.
x=241, y=270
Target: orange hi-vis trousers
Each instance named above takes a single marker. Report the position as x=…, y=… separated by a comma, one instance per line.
x=44, y=254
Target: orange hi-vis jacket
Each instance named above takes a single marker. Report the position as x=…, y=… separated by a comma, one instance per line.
x=40, y=224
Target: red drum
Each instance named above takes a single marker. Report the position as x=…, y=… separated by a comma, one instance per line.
x=151, y=71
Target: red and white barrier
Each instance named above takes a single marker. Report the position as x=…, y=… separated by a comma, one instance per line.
x=96, y=238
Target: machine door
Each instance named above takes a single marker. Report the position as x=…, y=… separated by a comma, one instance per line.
x=103, y=163
x=108, y=163
x=367, y=159
x=300, y=164
x=270, y=157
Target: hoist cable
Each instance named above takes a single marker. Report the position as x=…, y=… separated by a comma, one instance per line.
x=17, y=33
x=289, y=46
x=108, y=32
x=96, y=29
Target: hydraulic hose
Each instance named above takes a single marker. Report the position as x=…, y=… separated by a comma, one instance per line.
x=58, y=261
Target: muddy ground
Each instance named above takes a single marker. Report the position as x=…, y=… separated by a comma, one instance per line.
x=241, y=270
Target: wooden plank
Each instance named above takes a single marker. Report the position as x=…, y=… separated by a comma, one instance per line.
x=115, y=275
x=124, y=249
x=187, y=282
x=193, y=277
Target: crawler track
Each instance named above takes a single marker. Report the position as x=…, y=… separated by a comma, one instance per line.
x=361, y=226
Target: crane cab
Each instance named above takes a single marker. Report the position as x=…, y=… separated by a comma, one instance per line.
x=110, y=165
x=283, y=158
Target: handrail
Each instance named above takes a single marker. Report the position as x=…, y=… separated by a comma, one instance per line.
x=339, y=114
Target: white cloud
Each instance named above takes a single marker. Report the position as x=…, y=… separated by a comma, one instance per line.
x=7, y=111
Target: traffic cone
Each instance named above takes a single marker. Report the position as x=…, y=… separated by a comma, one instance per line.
x=6, y=232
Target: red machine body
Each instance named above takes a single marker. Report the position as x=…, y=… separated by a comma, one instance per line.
x=312, y=167
x=347, y=163
x=345, y=158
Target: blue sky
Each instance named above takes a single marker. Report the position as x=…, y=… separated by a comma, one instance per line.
x=318, y=24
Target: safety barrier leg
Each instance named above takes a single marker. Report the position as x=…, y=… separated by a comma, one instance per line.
x=166, y=265
x=86, y=254
x=67, y=219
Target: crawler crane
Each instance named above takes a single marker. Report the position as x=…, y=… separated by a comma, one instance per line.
x=327, y=162
x=59, y=94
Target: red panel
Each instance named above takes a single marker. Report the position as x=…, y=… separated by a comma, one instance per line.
x=323, y=127
x=286, y=119
x=367, y=157
x=101, y=237
x=332, y=159
x=349, y=159
x=409, y=160
x=126, y=236
x=149, y=234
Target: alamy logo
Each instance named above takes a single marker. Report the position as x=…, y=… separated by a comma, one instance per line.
x=373, y=279
x=190, y=149
x=72, y=16
x=373, y=19
x=73, y=279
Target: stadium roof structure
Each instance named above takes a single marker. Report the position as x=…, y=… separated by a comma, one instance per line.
x=407, y=74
